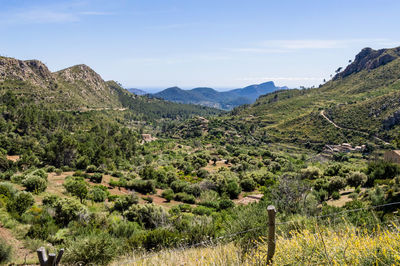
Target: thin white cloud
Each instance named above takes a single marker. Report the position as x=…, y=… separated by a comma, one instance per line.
x=48, y=14
x=286, y=46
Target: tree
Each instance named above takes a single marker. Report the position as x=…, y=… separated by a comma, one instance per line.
x=77, y=187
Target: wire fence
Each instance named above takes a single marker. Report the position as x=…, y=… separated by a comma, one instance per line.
x=213, y=241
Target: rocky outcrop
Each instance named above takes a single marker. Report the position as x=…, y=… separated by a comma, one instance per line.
x=82, y=74
x=32, y=71
x=391, y=121
x=369, y=59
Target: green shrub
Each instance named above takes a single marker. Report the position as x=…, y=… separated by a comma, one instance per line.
x=193, y=189
x=184, y=197
x=148, y=199
x=67, y=210
x=35, y=184
x=148, y=215
x=356, y=179
x=5, y=251
x=96, y=178
x=381, y=170
x=311, y=173
x=40, y=172
x=59, y=171
x=336, y=195
x=20, y=203
x=202, y=210
x=248, y=184
x=142, y=186
x=225, y=204
x=7, y=190
x=117, y=174
x=97, y=194
x=123, y=228
x=122, y=203
x=336, y=183
x=91, y=169
x=168, y=194
x=97, y=248
x=179, y=186
x=154, y=240
x=233, y=189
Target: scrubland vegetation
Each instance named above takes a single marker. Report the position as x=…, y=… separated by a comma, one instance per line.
x=86, y=181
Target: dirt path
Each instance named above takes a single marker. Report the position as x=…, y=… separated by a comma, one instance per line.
x=322, y=113
x=20, y=253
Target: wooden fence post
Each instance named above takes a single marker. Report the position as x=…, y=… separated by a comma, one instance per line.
x=52, y=260
x=271, y=233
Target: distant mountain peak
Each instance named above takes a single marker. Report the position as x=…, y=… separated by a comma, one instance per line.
x=223, y=100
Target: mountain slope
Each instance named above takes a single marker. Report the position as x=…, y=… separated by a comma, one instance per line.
x=80, y=88
x=224, y=100
x=364, y=100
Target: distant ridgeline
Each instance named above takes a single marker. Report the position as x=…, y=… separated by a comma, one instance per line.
x=80, y=88
x=225, y=100
x=363, y=102
x=360, y=105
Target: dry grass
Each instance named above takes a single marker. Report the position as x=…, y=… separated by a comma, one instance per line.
x=325, y=246
x=213, y=255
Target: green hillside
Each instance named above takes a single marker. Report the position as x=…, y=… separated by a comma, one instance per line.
x=80, y=88
x=363, y=103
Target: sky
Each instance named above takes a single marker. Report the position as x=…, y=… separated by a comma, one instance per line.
x=155, y=44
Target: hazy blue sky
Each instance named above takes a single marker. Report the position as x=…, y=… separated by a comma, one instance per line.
x=189, y=43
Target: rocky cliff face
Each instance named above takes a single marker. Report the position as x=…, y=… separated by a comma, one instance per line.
x=369, y=59
x=32, y=71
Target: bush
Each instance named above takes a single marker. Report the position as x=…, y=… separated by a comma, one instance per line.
x=97, y=248
x=194, y=190
x=91, y=169
x=5, y=251
x=22, y=201
x=117, y=174
x=148, y=199
x=310, y=173
x=148, y=215
x=96, y=178
x=381, y=170
x=202, y=210
x=67, y=210
x=35, y=184
x=168, y=194
x=179, y=186
x=59, y=171
x=356, y=179
x=154, y=240
x=122, y=203
x=225, y=204
x=336, y=183
x=97, y=194
x=184, y=197
x=7, y=190
x=142, y=186
x=336, y=195
x=233, y=189
x=248, y=184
